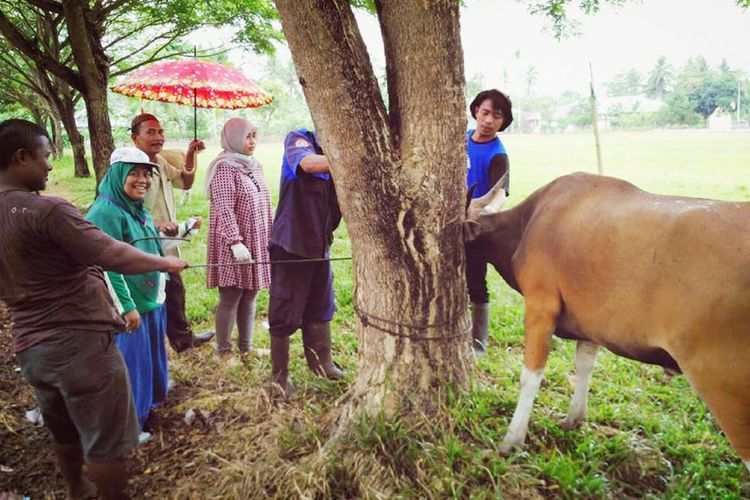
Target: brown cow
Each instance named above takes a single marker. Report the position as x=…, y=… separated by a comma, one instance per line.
x=659, y=279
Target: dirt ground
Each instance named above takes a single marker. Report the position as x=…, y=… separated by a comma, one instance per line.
x=27, y=467
x=26, y=464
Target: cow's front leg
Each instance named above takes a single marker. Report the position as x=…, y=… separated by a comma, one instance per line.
x=540, y=324
x=585, y=360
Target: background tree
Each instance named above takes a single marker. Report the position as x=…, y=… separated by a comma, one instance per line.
x=474, y=85
x=288, y=109
x=97, y=31
x=530, y=77
x=679, y=110
x=42, y=86
x=629, y=82
x=707, y=89
x=659, y=79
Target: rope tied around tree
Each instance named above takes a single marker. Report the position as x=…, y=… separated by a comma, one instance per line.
x=364, y=317
x=459, y=316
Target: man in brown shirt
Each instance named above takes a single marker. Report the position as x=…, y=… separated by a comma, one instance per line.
x=64, y=319
x=148, y=136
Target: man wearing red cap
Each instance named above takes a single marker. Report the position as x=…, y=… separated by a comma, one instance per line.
x=148, y=136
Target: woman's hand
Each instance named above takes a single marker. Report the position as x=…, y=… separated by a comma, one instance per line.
x=168, y=228
x=241, y=253
x=132, y=320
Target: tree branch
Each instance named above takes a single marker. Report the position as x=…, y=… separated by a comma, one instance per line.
x=106, y=11
x=31, y=50
x=149, y=61
x=47, y=5
x=129, y=34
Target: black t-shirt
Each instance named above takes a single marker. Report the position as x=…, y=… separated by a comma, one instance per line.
x=47, y=272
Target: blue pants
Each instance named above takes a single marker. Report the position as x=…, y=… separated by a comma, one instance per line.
x=145, y=353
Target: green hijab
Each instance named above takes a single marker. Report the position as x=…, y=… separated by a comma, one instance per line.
x=115, y=213
x=112, y=189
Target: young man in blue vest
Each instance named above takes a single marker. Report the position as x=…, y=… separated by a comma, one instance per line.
x=487, y=164
x=302, y=294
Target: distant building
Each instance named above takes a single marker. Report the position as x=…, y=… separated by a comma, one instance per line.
x=533, y=122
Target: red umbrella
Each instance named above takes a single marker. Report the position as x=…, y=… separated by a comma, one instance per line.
x=197, y=83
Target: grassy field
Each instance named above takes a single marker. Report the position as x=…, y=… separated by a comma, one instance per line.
x=648, y=435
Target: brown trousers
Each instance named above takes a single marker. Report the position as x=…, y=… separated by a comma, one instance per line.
x=179, y=333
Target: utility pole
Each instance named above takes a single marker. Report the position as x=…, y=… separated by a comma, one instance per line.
x=595, y=123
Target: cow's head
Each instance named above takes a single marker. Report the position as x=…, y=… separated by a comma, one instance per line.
x=488, y=204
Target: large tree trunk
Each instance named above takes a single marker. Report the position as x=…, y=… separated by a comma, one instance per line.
x=93, y=67
x=57, y=145
x=38, y=114
x=80, y=165
x=100, y=131
x=60, y=95
x=400, y=178
x=67, y=114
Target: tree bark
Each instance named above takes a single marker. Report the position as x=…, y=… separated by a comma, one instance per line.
x=93, y=68
x=57, y=145
x=67, y=114
x=60, y=96
x=100, y=133
x=90, y=79
x=400, y=178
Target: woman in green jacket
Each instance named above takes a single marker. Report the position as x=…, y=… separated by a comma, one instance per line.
x=119, y=212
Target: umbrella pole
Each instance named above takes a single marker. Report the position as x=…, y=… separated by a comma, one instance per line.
x=195, y=102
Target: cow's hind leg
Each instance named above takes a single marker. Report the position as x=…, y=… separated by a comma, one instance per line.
x=585, y=360
x=539, y=320
x=727, y=394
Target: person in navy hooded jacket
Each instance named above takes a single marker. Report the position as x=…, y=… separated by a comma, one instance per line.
x=302, y=293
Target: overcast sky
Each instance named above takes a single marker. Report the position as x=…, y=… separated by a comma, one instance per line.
x=501, y=40
x=494, y=32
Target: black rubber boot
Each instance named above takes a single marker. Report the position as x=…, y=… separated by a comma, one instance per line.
x=111, y=478
x=316, y=337
x=70, y=461
x=480, y=314
x=280, y=365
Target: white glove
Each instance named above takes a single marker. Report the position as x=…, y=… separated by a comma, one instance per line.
x=187, y=228
x=241, y=253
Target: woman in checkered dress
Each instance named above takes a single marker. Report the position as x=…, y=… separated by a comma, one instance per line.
x=240, y=220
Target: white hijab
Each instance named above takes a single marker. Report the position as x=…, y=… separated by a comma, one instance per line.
x=233, y=142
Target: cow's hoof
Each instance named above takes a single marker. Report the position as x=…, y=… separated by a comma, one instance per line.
x=570, y=424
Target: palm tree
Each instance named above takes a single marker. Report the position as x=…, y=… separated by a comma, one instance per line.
x=660, y=79
x=529, y=78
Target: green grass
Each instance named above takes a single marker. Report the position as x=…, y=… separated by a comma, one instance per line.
x=648, y=435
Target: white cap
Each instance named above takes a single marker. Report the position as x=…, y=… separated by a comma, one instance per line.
x=130, y=154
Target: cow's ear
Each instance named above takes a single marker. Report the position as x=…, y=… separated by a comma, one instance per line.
x=472, y=230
